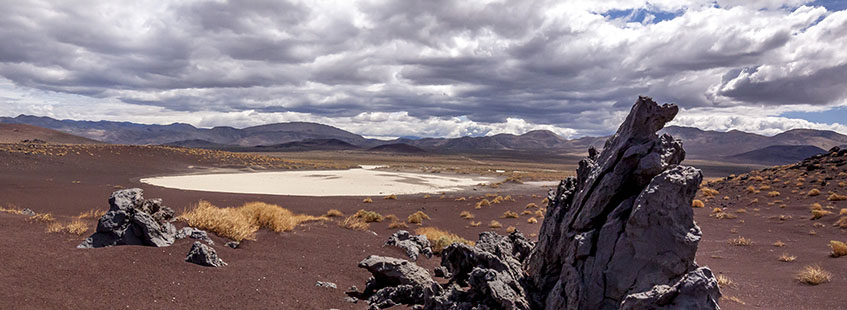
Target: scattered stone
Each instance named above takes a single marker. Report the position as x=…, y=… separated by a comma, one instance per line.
x=27, y=212
x=204, y=255
x=442, y=272
x=326, y=284
x=194, y=233
x=233, y=244
x=352, y=300
x=132, y=220
x=414, y=245
x=621, y=234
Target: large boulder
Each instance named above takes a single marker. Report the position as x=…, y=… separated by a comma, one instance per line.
x=414, y=245
x=133, y=220
x=623, y=225
x=621, y=234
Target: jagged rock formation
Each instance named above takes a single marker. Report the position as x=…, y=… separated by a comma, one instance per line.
x=133, y=220
x=621, y=234
x=623, y=229
x=194, y=233
x=204, y=255
x=414, y=245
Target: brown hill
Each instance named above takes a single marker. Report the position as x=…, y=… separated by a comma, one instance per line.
x=15, y=133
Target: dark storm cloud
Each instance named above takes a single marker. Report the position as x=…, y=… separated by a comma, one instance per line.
x=545, y=62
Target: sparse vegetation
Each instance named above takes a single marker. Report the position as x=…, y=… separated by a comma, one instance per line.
x=367, y=200
x=441, y=239
x=740, y=241
x=696, y=203
x=482, y=203
x=836, y=197
x=474, y=224
x=773, y=194
x=734, y=299
x=814, y=275
x=42, y=218
x=354, y=223
x=532, y=220
x=510, y=214
x=466, y=215
x=417, y=217
x=531, y=205
x=368, y=216
x=724, y=281
x=242, y=222
x=494, y=224
x=397, y=224
x=539, y=214
x=787, y=258
x=510, y=229
x=838, y=248
x=391, y=197
x=709, y=192
x=841, y=223
x=333, y=213
x=92, y=214
x=817, y=214
x=814, y=192
x=77, y=227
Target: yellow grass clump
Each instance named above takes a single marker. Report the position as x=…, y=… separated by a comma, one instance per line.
x=427, y=196
x=814, y=192
x=545, y=201
x=751, y=189
x=55, y=227
x=708, y=192
x=354, y=223
x=510, y=229
x=539, y=214
x=12, y=210
x=531, y=205
x=466, y=215
x=814, y=275
x=510, y=215
x=843, y=211
x=842, y=184
x=77, y=227
x=724, y=281
x=368, y=216
x=474, y=224
x=43, y=218
x=838, y=248
x=494, y=224
x=779, y=244
x=742, y=210
x=397, y=224
x=787, y=258
x=508, y=198
x=740, y=241
x=483, y=203
x=497, y=200
x=816, y=214
x=773, y=194
x=841, y=223
x=392, y=197
x=532, y=220
x=697, y=203
x=526, y=212
x=461, y=199
x=242, y=222
x=333, y=213
x=92, y=214
x=367, y=200
x=417, y=217
x=836, y=197
x=440, y=239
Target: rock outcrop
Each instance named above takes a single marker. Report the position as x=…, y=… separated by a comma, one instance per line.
x=204, y=255
x=194, y=233
x=133, y=220
x=621, y=234
x=414, y=245
x=623, y=228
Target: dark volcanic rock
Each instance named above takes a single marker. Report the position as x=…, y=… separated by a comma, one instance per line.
x=624, y=225
x=204, y=255
x=621, y=234
x=194, y=233
x=132, y=220
x=414, y=245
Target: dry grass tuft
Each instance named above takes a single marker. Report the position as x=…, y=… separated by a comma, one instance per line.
x=734, y=299
x=787, y=258
x=12, y=210
x=843, y=211
x=55, y=227
x=532, y=220
x=333, y=213
x=466, y=215
x=814, y=192
x=92, y=214
x=42, y=218
x=392, y=197
x=836, y=197
x=841, y=223
x=77, y=227
x=724, y=281
x=816, y=214
x=813, y=275
x=531, y=205
x=716, y=210
x=773, y=194
x=354, y=223
x=474, y=224
x=440, y=239
x=397, y=224
x=417, y=217
x=526, y=212
x=461, y=199
x=494, y=224
x=508, y=198
x=539, y=214
x=842, y=184
x=368, y=216
x=510, y=215
x=392, y=217
x=838, y=248
x=751, y=189
x=740, y=241
x=779, y=244
x=367, y=200
x=696, y=203
x=815, y=206
x=510, y=229
x=742, y=210
x=242, y=222
x=482, y=203
x=708, y=192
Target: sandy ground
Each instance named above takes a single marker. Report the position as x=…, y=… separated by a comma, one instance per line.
x=354, y=182
x=41, y=270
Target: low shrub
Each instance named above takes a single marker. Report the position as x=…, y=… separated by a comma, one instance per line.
x=510, y=229
x=814, y=275
x=836, y=197
x=333, y=213
x=532, y=220
x=368, y=216
x=510, y=215
x=697, y=203
x=367, y=200
x=466, y=215
x=787, y=258
x=740, y=241
x=392, y=197
x=417, y=217
x=242, y=222
x=838, y=248
x=814, y=192
x=494, y=224
x=440, y=239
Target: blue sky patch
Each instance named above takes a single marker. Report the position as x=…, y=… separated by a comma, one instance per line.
x=835, y=115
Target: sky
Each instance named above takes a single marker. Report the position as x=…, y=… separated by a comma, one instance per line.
x=428, y=68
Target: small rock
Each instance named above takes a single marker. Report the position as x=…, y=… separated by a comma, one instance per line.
x=28, y=212
x=233, y=244
x=351, y=299
x=414, y=245
x=326, y=284
x=204, y=255
x=441, y=272
x=194, y=233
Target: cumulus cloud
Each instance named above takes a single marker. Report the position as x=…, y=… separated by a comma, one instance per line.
x=420, y=68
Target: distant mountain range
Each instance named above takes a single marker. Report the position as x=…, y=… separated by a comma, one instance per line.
x=733, y=145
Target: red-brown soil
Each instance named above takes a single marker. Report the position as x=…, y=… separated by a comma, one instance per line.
x=45, y=270
x=14, y=133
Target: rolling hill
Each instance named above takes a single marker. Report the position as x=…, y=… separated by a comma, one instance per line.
x=14, y=133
